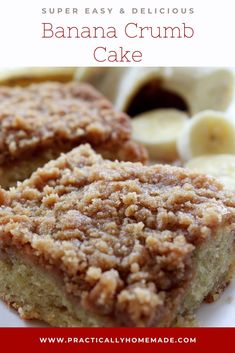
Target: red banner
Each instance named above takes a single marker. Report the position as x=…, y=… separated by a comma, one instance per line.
x=49, y=340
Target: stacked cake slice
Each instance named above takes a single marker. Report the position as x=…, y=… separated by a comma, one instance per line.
x=90, y=242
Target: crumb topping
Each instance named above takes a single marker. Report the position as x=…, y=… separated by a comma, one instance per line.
x=121, y=234
x=61, y=116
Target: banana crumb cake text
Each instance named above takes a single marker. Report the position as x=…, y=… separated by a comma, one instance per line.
x=91, y=242
x=40, y=121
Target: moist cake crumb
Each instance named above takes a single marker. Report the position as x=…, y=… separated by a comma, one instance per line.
x=120, y=234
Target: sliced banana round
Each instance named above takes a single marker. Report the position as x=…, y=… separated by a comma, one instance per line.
x=221, y=166
x=208, y=132
x=158, y=131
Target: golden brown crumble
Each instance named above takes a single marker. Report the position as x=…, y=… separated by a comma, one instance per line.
x=60, y=116
x=120, y=233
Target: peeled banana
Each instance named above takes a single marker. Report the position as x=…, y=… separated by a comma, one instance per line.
x=208, y=132
x=196, y=87
x=26, y=75
x=158, y=131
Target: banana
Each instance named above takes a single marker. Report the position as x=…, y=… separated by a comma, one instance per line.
x=90, y=74
x=105, y=79
x=25, y=75
x=208, y=132
x=221, y=166
x=202, y=88
x=158, y=131
x=196, y=88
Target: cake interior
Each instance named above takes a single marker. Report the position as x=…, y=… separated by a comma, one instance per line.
x=214, y=261
x=19, y=170
x=38, y=293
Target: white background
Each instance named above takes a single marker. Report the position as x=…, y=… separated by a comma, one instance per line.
x=22, y=45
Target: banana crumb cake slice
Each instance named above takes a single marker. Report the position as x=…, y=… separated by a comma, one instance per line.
x=91, y=242
x=40, y=121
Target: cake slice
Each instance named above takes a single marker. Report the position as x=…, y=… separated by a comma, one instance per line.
x=91, y=242
x=40, y=121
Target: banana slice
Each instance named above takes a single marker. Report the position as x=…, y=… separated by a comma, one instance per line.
x=208, y=132
x=221, y=166
x=158, y=131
